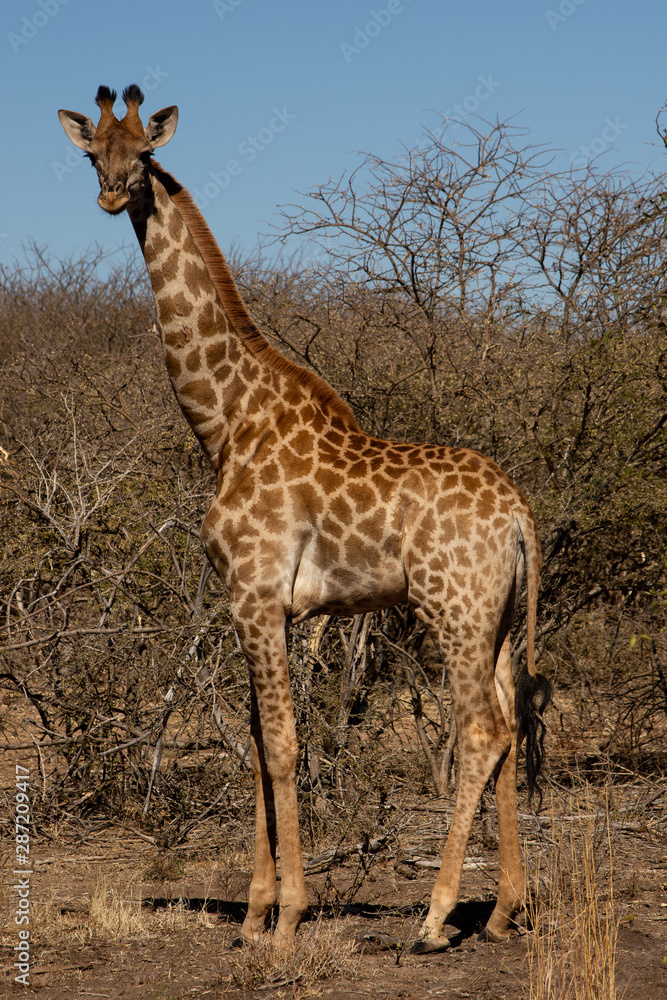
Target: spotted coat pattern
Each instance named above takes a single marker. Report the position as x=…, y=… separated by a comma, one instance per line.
x=311, y=515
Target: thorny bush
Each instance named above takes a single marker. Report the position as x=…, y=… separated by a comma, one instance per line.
x=470, y=296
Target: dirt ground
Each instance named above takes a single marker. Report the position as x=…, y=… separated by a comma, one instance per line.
x=111, y=917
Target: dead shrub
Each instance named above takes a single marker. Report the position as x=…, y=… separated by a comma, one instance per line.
x=118, y=652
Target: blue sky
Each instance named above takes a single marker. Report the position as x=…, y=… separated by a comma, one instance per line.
x=302, y=86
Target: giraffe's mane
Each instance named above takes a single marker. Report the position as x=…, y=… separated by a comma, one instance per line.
x=233, y=305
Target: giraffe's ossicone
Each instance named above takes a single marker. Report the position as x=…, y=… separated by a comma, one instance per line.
x=311, y=515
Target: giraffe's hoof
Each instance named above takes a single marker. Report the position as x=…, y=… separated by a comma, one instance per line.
x=245, y=942
x=486, y=935
x=430, y=946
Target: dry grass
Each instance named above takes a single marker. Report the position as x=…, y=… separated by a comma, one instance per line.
x=112, y=913
x=319, y=952
x=573, y=950
x=115, y=915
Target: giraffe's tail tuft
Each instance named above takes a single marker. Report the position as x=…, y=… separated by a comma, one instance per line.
x=533, y=694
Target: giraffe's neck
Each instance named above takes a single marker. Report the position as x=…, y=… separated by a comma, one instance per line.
x=203, y=352
x=226, y=377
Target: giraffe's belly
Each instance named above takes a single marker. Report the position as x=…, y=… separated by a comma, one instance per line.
x=338, y=589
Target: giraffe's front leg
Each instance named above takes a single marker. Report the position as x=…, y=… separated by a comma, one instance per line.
x=263, y=893
x=274, y=750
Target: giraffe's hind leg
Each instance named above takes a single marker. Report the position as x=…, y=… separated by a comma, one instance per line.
x=511, y=884
x=484, y=741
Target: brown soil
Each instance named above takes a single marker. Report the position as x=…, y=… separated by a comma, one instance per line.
x=179, y=941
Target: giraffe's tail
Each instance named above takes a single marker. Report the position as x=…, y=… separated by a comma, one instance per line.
x=533, y=690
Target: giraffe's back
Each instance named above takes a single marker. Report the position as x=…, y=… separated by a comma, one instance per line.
x=399, y=522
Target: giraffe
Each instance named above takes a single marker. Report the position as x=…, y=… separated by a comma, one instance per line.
x=311, y=515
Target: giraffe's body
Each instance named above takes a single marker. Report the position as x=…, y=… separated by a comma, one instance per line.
x=312, y=515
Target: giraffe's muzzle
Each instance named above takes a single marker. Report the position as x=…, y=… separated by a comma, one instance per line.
x=113, y=201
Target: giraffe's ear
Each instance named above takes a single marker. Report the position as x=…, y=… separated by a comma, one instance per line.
x=161, y=126
x=78, y=128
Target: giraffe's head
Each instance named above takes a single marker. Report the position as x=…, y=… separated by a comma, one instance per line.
x=120, y=150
